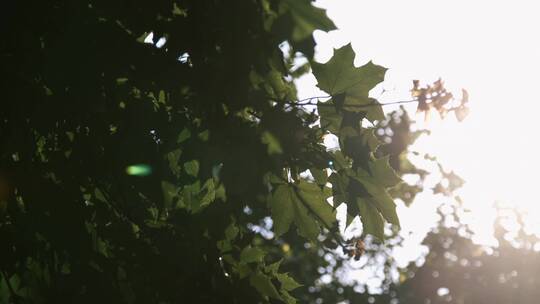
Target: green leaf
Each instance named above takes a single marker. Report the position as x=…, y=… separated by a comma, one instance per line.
x=142, y=37
x=372, y=222
x=220, y=193
x=281, y=205
x=306, y=224
x=252, y=254
x=190, y=193
x=339, y=188
x=231, y=232
x=173, y=158
x=287, y=282
x=177, y=11
x=276, y=179
x=277, y=87
x=183, y=136
x=287, y=207
x=121, y=81
x=204, y=135
x=264, y=285
x=383, y=172
x=307, y=19
x=243, y=270
x=99, y=195
x=162, y=97
x=272, y=143
x=192, y=167
x=169, y=193
x=340, y=76
x=224, y=246
x=273, y=268
x=370, y=139
x=208, y=195
x=314, y=197
x=340, y=162
x=380, y=197
x=319, y=175
x=287, y=298
x=330, y=119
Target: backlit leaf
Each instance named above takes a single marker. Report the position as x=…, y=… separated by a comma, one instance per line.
x=340, y=76
x=372, y=222
x=281, y=205
x=192, y=167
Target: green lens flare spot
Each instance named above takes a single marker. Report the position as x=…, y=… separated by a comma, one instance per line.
x=139, y=170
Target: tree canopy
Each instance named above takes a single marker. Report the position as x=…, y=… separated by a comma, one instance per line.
x=142, y=142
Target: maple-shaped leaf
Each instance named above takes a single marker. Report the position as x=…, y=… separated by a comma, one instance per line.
x=281, y=205
x=378, y=196
x=307, y=18
x=304, y=205
x=340, y=76
x=315, y=199
x=330, y=119
x=383, y=172
x=372, y=221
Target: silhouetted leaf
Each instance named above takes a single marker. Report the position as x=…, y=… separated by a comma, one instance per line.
x=340, y=76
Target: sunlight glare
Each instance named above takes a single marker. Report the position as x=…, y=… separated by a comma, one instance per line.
x=488, y=47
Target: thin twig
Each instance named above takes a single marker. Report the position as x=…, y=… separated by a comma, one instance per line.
x=361, y=106
x=302, y=102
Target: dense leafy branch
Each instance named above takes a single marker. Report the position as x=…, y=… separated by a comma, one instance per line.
x=141, y=145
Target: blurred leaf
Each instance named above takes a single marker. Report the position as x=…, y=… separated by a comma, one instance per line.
x=287, y=282
x=307, y=19
x=272, y=143
x=252, y=254
x=192, y=167
x=169, y=193
x=183, y=136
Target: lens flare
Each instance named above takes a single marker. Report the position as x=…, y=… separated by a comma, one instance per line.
x=139, y=170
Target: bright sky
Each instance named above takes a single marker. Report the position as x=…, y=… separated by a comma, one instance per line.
x=491, y=48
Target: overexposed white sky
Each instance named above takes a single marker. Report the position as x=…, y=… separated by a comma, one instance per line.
x=491, y=48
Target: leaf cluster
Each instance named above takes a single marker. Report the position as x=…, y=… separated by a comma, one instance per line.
x=139, y=142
